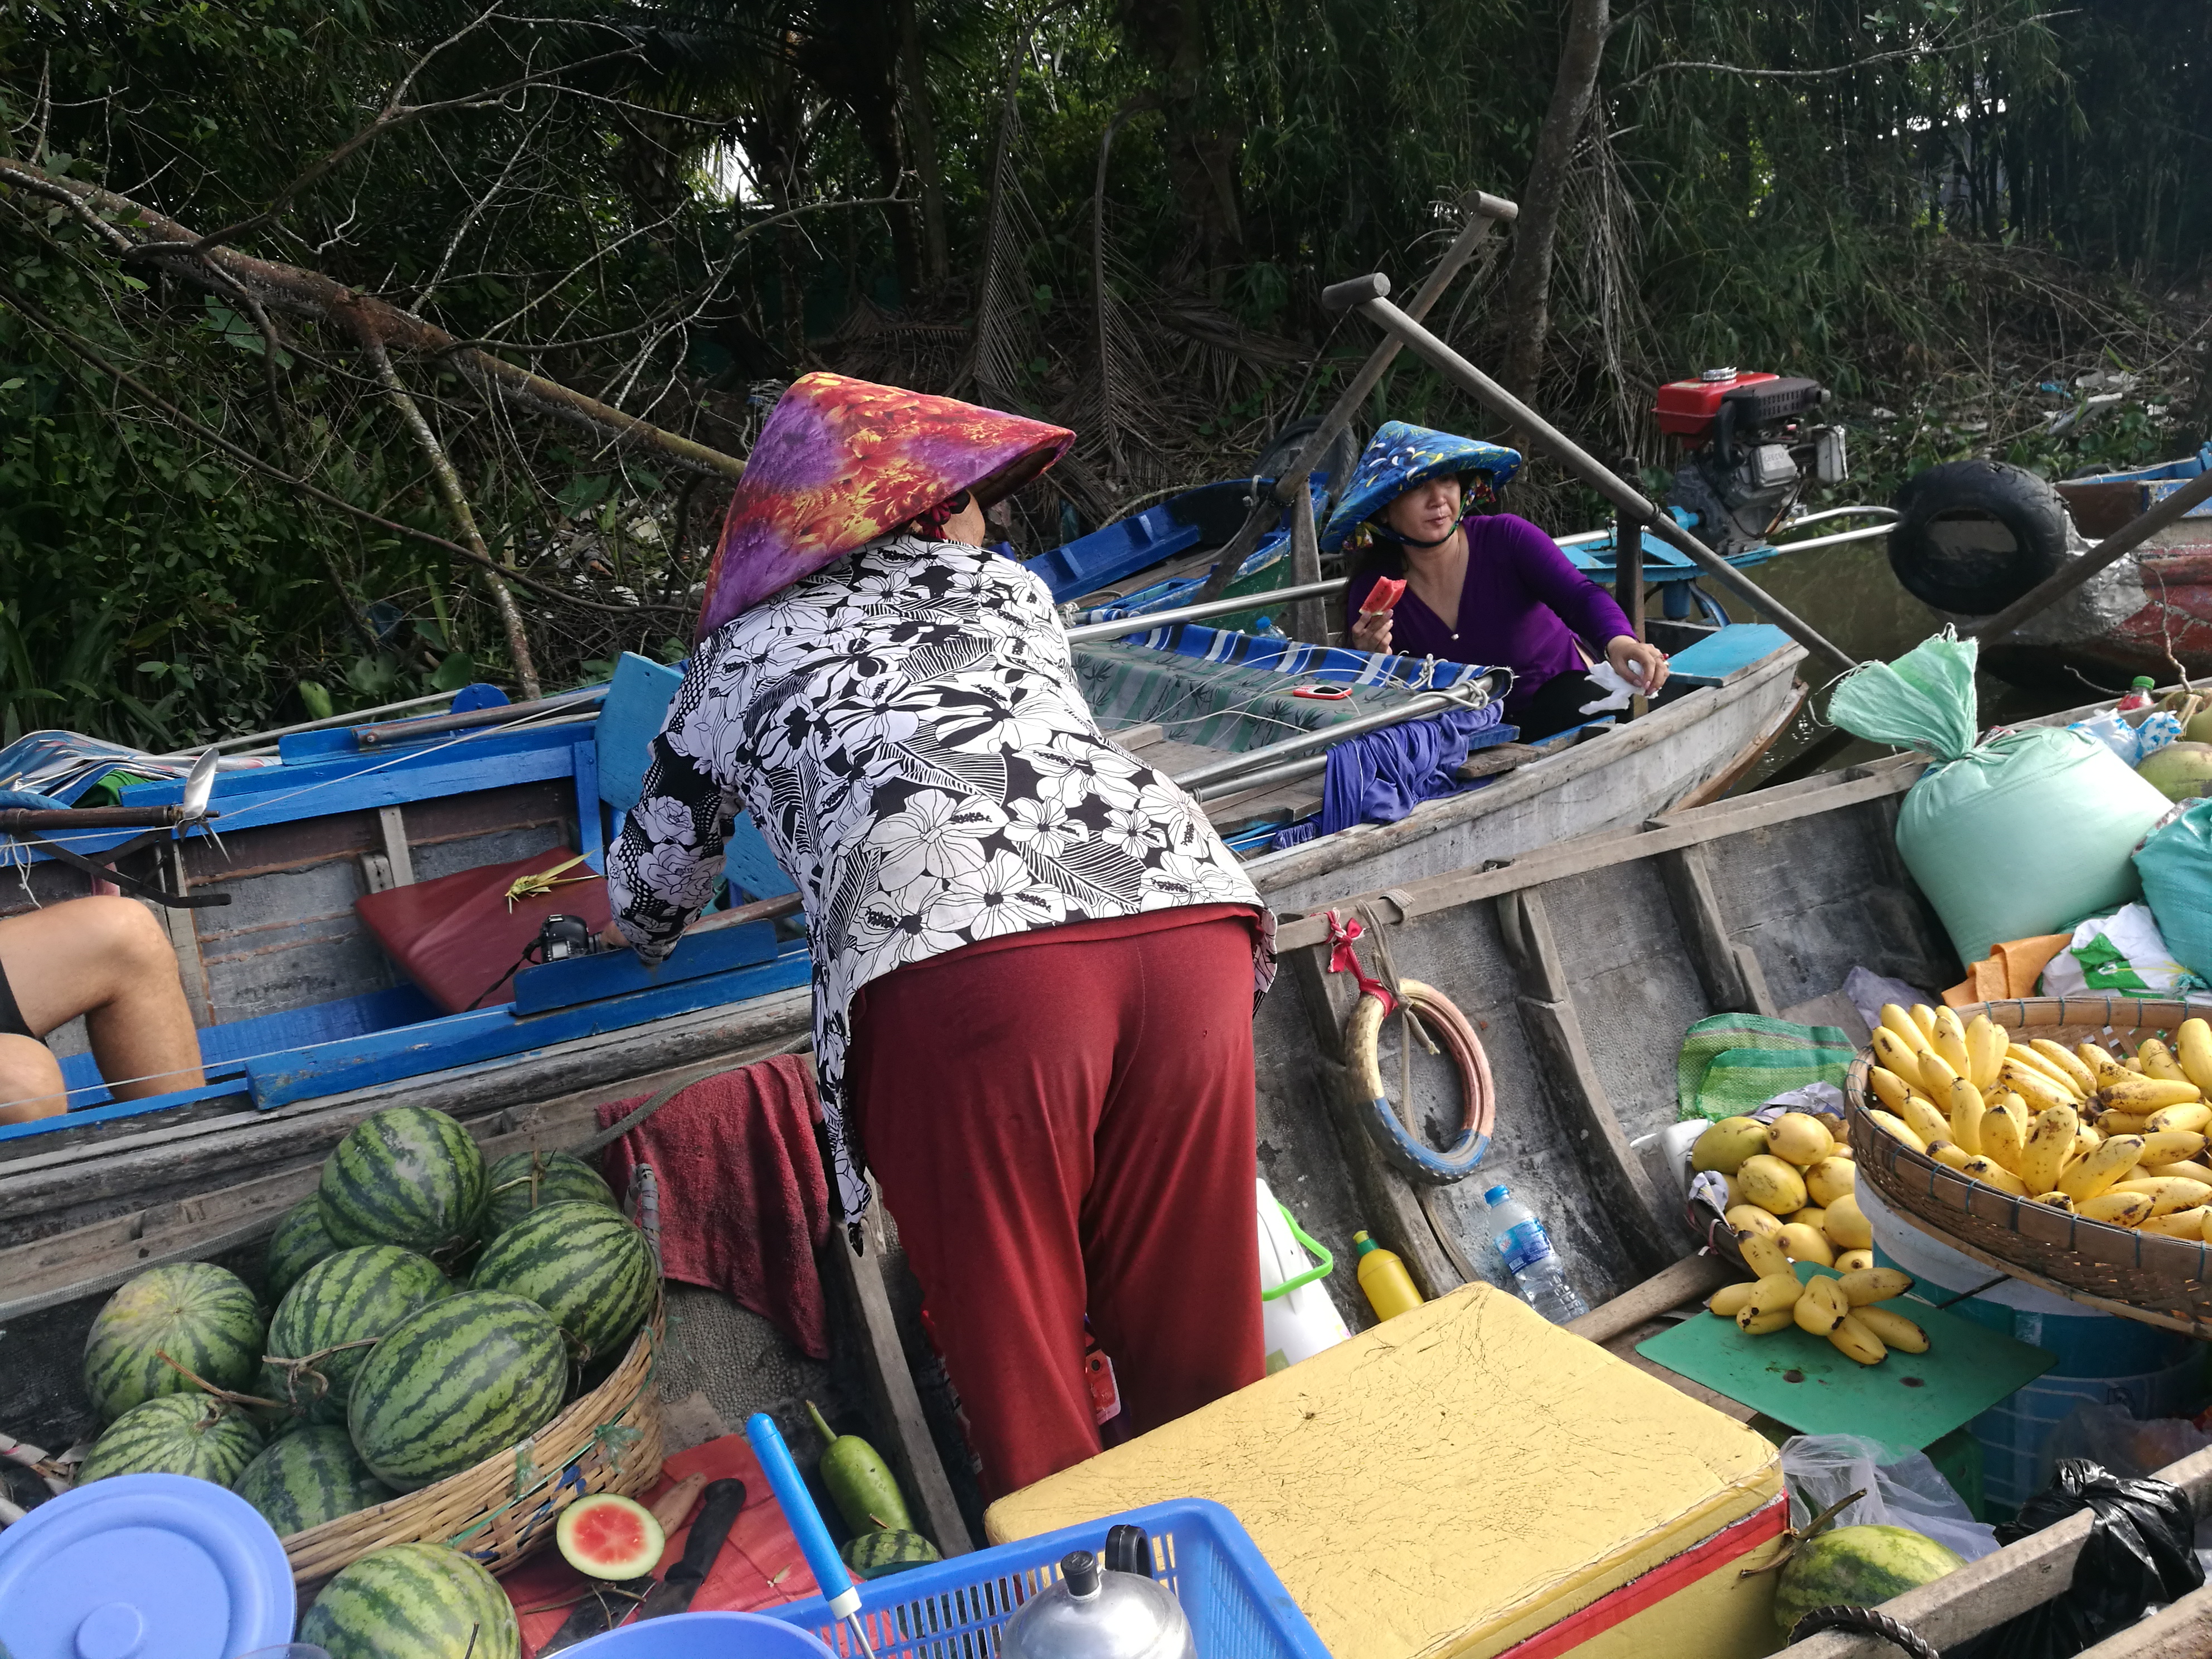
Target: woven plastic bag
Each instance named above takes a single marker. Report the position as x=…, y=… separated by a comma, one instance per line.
x=2023, y=834
x=1731, y=1064
x=2175, y=863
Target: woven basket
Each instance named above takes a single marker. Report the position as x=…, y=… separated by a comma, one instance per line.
x=2145, y=1276
x=502, y=1510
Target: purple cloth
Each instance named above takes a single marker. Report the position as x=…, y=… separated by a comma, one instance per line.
x=1523, y=605
x=1381, y=776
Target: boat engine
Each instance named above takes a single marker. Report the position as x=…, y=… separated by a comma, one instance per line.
x=1752, y=445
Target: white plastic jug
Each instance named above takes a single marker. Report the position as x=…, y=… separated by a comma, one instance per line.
x=1297, y=1317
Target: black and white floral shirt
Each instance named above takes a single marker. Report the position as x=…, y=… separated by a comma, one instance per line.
x=904, y=728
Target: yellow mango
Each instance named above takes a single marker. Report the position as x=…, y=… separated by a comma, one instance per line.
x=1771, y=1183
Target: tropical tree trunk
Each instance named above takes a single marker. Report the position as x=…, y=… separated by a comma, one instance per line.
x=922, y=134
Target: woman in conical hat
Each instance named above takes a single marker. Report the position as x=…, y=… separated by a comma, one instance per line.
x=1481, y=586
x=1034, y=960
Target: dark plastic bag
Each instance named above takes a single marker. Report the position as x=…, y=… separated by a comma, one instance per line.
x=2139, y=1551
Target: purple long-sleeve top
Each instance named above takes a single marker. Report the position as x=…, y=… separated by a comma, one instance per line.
x=1522, y=607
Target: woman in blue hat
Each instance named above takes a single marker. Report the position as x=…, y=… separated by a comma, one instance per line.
x=1481, y=586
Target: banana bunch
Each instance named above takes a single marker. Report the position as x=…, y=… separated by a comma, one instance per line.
x=1793, y=1181
x=1844, y=1309
x=2110, y=1140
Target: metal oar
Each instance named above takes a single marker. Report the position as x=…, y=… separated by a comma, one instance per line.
x=790, y=1494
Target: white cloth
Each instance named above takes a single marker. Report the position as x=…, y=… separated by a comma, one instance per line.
x=905, y=729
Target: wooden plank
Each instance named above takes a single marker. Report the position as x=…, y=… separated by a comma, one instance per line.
x=1983, y=1593
x=391, y=821
x=1689, y=1280
x=1498, y=757
x=1763, y=810
x=1309, y=619
x=1749, y=755
x=1734, y=981
x=895, y=1403
x=2183, y=1630
x=1618, y=1178
x=185, y=939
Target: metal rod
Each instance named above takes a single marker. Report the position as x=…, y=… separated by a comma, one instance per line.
x=1288, y=772
x=322, y=724
x=93, y=818
x=1367, y=294
x=1870, y=533
x=1484, y=213
x=499, y=713
x=1889, y=514
x=1253, y=759
x=1115, y=630
x=2107, y=552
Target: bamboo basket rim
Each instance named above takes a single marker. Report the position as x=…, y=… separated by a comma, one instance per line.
x=320, y=1552
x=2184, y=1264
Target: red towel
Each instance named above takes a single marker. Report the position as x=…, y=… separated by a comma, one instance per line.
x=744, y=1205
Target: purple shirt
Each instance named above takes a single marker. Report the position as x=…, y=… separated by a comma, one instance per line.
x=1523, y=607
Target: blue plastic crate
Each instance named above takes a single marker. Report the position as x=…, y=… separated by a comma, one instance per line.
x=1238, y=1609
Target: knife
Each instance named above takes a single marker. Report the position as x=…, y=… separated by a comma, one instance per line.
x=605, y=1605
x=717, y=1514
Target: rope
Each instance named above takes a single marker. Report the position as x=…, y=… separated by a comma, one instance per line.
x=1867, y=1621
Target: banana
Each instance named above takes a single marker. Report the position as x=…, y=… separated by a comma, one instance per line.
x=2003, y=1136
x=2020, y=1055
x=1827, y=1297
x=1851, y=1337
x=1936, y=1074
x=2170, y=1146
x=1925, y=1018
x=2192, y=1047
x=2057, y=1201
x=2104, y=1066
x=1852, y=1261
x=2194, y=1117
x=1900, y=1024
x=1898, y=1128
x=2182, y=1223
x=1896, y=1056
x=1990, y=1173
x=2158, y=1061
x=2035, y=1085
x=1949, y=1155
x=1985, y=1041
x=1893, y=1330
x=1772, y=1291
x=2148, y=1094
x=2063, y=1059
x=2088, y=1176
x=2193, y=1170
x=2123, y=1123
x=1874, y=1285
x=1924, y=1120
x=1762, y=1252
x=2168, y=1194
x=1967, y=1109
x=1765, y=1324
x=2120, y=1209
x=1889, y=1088
x=2133, y=1064
x=1949, y=1039
x=2049, y=1145
x=1728, y=1301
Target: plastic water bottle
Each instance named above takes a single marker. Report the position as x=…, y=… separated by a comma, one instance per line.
x=1538, y=1272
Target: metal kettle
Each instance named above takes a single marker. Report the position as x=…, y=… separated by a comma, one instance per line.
x=1094, y=1612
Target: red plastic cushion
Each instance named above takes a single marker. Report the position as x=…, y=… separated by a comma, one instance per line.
x=455, y=936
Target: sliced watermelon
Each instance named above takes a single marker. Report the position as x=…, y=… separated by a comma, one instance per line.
x=609, y=1537
x=1383, y=597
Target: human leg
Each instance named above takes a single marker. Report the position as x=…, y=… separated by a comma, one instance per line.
x=108, y=959
x=30, y=1079
x=1172, y=1249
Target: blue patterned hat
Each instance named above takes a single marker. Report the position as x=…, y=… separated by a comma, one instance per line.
x=1401, y=456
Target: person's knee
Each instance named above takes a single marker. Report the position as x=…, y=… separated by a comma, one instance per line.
x=30, y=1079
x=123, y=934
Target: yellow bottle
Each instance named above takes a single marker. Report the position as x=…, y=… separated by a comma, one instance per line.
x=1390, y=1287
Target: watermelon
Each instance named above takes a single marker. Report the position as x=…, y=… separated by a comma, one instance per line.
x=308, y=1477
x=406, y=1176
x=174, y=1434
x=523, y=1181
x=354, y=1296
x=584, y=1264
x=413, y=1601
x=201, y=1316
x=1857, y=1567
x=298, y=1243
x=609, y=1536
x=455, y=1381
x=885, y=1551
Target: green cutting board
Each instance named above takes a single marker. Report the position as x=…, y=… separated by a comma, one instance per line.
x=1906, y=1402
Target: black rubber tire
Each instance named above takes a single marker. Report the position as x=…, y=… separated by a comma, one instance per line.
x=1335, y=466
x=1974, y=536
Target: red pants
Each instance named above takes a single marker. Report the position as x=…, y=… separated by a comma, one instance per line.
x=1063, y=1125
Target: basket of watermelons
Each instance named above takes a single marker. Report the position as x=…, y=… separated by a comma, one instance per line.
x=455, y=1353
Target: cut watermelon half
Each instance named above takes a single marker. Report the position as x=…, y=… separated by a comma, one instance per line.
x=609, y=1537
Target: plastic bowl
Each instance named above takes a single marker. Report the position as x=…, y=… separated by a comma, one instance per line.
x=706, y=1636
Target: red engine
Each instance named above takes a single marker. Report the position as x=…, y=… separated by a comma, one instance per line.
x=1751, y=448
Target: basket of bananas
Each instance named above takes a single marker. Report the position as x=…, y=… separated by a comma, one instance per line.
x=2062, y=1141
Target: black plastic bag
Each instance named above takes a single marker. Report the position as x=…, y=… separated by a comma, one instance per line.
x=2139, y=1551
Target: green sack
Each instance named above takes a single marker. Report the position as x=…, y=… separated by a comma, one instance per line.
x=1758, y=1049
x=2176, y=867
x=2024, y=835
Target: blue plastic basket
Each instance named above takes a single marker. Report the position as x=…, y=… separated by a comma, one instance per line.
x=1238, y=1609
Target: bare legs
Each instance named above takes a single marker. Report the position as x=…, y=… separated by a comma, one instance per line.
x=109, y=960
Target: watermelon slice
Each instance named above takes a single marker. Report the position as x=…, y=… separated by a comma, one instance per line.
x=1383, y=597
x=609, y=1537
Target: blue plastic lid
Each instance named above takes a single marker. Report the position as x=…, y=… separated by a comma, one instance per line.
x=1496, y=1194
x=707, y=1636
x=143, y=1566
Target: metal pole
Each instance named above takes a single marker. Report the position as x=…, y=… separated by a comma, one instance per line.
x=1483, y=212
x=2107, y=552
x=1367, y=294
x=1628, y=583
x=1252, y=759
x=1182, y=613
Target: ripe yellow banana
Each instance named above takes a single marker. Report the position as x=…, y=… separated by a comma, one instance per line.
x=1967, y=1109
x=1985, y=1042
x=1893, y=1330
x=2090, y=1175
x=2032, y=1084
x=2167, y=1193
x=2104, y=1066
x=1874, y=1285
x=2169, y=1146
x=2003, y=1134
x=1851, y=1337
x=2190, y=1169
x=1990, y=1173
x=1889, y=1088
x=1774, y=1290
x=2049, y=1146
x=2062, y=1060
x=1949, y=1154
x=2182, y=1223
x=1728, y=1301
x=2086, y=1141
x=1925, y=1120
x=1949, y=1039
x=1896, y=1056
x=1902, y=1025
x=2158, y=1060
x=1936, y=1074
x=1925, y=1018
x=2133, y=1064
x=2192, y=1047
x=1821, y=1305
x=2120, y=1209
x=1763, y=1253
x=1897, y=1127
x=2057, y=1201
x=2020, y=1055
x=2195, y=1117
x=2123, y=1123
x=1765, y=1324
x=2148, y=1094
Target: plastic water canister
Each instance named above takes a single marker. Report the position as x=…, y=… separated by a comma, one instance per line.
x=1297, y=1320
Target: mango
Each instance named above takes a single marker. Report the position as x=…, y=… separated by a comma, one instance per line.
x=1798, y=1138
x=1725, y=1146
x=1771, y=1183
